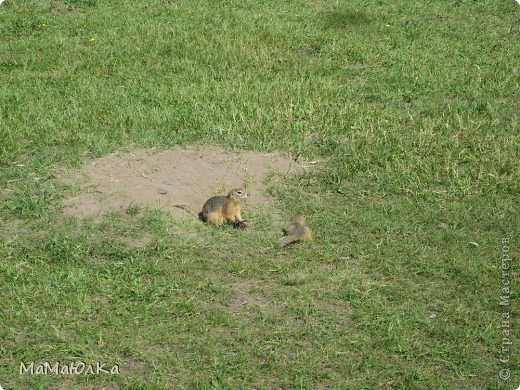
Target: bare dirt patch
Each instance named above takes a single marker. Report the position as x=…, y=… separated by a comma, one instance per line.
x=132, y=366
x=137, y=242
x=11, y=230
x=244, y=295
x=342, y=310
x=162, y=178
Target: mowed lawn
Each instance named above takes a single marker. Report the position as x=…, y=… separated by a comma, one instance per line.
x=411, y=109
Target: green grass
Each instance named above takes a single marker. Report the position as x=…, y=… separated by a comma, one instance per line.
x=411, y=106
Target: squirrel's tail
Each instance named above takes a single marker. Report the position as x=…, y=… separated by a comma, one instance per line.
x=288, y=240
x=188, y=209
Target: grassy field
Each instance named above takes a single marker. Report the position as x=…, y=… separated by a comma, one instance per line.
x=413, y=106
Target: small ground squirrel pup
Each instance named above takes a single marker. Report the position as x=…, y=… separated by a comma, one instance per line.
x=296, y=230
x=221, y=209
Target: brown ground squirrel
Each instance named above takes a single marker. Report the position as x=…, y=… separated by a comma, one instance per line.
x=221, y=209
x=296, y=230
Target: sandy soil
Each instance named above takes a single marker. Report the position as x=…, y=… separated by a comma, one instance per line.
x=161, y=178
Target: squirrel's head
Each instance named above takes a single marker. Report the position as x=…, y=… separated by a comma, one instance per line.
x=237, y=193
x=300, y=218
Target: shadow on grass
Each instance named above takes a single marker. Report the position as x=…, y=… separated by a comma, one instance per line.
x=345, y=18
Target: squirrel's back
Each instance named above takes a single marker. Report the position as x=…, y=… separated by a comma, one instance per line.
x=213, y=204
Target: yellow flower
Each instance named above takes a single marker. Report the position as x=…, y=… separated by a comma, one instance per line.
x=92, y=40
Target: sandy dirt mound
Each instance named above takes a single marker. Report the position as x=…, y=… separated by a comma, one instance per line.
x=162, y=178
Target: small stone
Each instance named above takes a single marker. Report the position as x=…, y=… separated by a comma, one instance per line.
x=309, y=49
x=162, y=191
x=443, y=225
x=432, y=316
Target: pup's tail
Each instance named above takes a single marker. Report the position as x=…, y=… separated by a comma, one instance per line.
x=288, y=240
